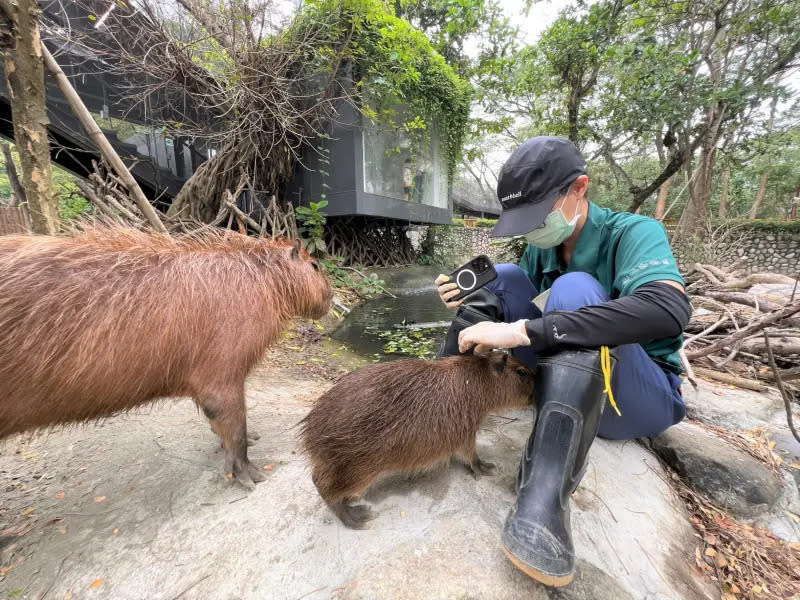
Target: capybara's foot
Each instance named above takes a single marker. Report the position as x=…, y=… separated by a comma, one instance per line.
x=245, y=472
x=354, y=516
x=252, y=437
x=480, y=467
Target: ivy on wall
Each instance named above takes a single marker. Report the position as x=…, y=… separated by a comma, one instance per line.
x=392, y=62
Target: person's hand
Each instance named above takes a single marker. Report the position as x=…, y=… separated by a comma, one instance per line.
x=447, y=290
x=487, y=335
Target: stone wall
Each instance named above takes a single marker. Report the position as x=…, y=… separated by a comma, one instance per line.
x=753, y=250
x=758, y=249
x=453, y=246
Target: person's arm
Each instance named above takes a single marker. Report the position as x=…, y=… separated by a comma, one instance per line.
x=653, y=311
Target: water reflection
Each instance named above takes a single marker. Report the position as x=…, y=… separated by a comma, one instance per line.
x=361, y=329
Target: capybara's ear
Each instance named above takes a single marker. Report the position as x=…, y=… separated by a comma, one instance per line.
x=296, y=251
x=498, y=360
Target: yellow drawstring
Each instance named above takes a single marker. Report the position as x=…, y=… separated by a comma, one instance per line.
x=605, y=364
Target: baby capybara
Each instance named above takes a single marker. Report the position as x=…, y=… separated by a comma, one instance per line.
x=110, y=319
x=406, y=416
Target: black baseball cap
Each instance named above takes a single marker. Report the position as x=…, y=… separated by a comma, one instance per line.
x=530, y=181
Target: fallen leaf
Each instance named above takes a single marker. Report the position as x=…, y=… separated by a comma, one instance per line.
x=735, y=589
x=269, y=467
x=711, y=539
x=771, y=445
x=115, y=532
x=62, y=530
x=4, y=570
x=300, y=362
x=756, y=589
x=96, y=583
x=28, y=511
x=795, y=465
x=710, y=552
x=721, y=561
x=100, y=499
x=59, y=495
x=129, y=490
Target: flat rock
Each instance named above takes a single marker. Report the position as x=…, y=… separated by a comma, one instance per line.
x=732, y=479
x=731, y=408
x=788, y=449
x=591, y=583
x=171, y=526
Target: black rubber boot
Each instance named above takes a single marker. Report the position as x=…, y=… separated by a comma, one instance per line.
x=569, y=394
x=480, y=305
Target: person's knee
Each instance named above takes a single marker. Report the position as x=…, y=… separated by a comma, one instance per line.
x=572, y=291
x=511, y=275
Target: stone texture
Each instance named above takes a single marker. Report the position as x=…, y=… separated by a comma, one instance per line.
x=787, y=448
x=763, y=251
x=731, y=408
x=729, y=477
x=184, y=531
x=591, y=583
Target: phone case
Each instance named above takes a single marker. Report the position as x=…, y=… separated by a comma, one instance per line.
x=472, y=276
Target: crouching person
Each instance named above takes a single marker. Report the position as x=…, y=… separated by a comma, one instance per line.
x=613, y=282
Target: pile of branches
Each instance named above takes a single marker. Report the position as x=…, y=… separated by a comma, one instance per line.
x=745, y=329
x=112, y=205
x=230, y=76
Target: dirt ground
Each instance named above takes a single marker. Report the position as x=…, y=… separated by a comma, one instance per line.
x=136, y=507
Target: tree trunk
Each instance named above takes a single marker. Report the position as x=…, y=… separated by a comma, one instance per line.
x=723, y=200
x=762, y=190
x=25, y=75
x=661, y=202
x=17, y=191
x=694, y=219
x=762, y=186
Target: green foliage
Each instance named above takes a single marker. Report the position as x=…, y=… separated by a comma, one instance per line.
x=343, y=279
x=393, y=63
x=311, y=222
x=426, y=259
x=71, y=203
x=422, y=343
x=770, y=225
x=72, y=206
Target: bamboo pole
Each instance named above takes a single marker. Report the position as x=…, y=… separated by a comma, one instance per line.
x=97, y=136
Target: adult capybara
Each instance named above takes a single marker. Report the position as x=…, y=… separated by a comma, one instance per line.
x=110, y=319
x=406, y=416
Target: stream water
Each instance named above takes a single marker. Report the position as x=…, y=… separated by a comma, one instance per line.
x=370, y=328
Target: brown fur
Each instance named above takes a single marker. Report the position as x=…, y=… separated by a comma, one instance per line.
x=110, y=319
x=404, y=416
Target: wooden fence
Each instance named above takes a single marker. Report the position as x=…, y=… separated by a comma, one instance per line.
x=13, y=220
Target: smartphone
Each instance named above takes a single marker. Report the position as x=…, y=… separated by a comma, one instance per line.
x=473, y=276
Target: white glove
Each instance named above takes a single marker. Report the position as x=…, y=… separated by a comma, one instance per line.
x=487, y=335
x=447, y=291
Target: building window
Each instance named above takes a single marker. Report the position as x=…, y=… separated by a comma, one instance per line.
x=395, y=168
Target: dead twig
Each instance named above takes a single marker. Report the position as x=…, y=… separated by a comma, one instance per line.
x=758, y=325
x=787, y=400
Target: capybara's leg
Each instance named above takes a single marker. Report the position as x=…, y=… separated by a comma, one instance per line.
x=228, y=419
x=252, y=436
x=338, y=493
x=474, y=463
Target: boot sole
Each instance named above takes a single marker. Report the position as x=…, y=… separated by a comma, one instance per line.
x=544, y=578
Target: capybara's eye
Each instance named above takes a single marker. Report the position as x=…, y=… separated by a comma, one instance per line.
x=315, y=265
x=524, y=372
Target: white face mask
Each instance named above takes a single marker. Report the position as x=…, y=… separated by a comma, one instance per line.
x=554, y=230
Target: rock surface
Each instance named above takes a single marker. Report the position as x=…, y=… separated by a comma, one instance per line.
x=731, y=408
x=729, y=477
x=169, y=525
